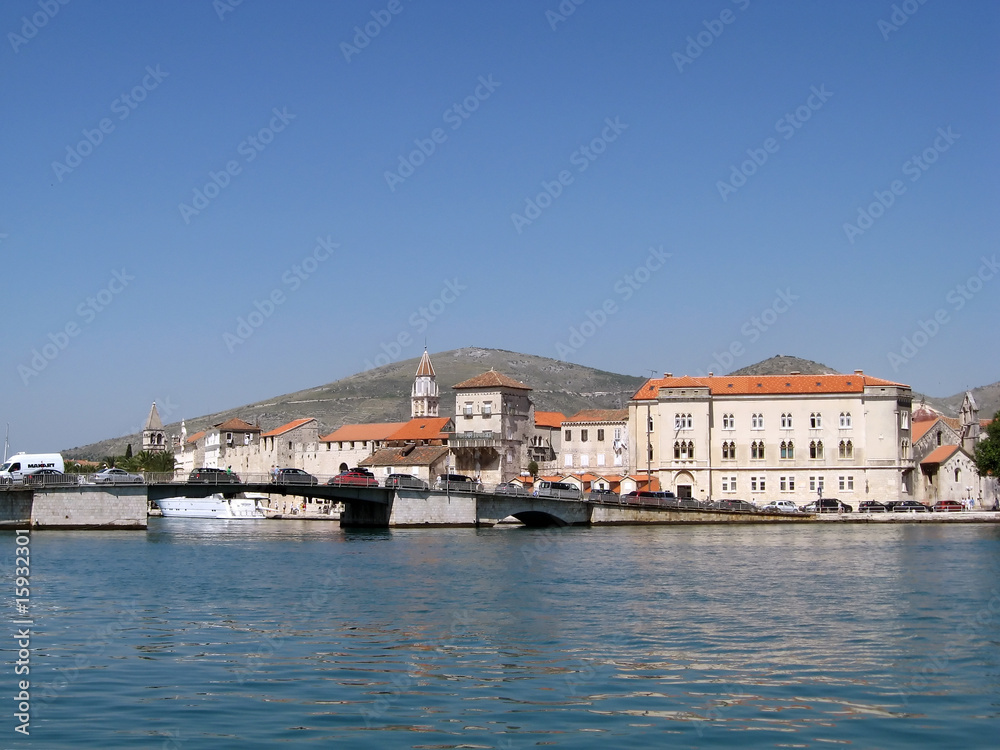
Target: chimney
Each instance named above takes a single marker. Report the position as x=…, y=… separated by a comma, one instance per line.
x=859, y=372
x=668, y=374
x=711, y=374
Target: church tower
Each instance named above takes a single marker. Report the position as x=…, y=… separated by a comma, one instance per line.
x=425, y=395
x=969, y=416
x=153, y=434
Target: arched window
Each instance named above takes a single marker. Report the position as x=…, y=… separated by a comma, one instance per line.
x=815, y=420
x=786, y=421
x=787, y=449
x=845, y=419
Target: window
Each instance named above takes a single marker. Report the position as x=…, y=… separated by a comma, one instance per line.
x=600, y=436
x=568, y=460
x=939, y=437
x=600, y=459
x=958, y=474
x=816, y=484
x=569, y=436
x=618, y=459
x=904, y=448
x=649, y=452
x=757, y=450
x=729, y=484
x=487, y=408
x=787, y=449
x=786, y=483
x=683, y=449
x=649, y=424
x=845, y=420
x=786, y=421
x=584, y=460
x=468, y=409
x=757, y=484
x=846, y=449
x=904, y=420
x=584, y=434
x=815, y=420
x=757, y=422
x=728, y=422
x=618, y=434
x=816, y=449
x=845, y=484
x=729, y=450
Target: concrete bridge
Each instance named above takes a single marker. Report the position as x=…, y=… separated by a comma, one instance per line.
x=125, y=506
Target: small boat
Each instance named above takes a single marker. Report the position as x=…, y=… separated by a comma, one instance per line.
x=242, y=505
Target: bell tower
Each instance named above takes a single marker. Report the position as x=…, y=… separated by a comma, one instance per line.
x=153, y=434
x=424, y=397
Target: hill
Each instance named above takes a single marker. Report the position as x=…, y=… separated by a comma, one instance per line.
x=383, y=394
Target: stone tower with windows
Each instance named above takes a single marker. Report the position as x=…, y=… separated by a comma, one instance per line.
x=154, y=437
x=425, y=395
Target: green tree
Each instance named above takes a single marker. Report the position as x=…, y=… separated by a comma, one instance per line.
x=533, y=468
x=128, y=451
x=987, y=452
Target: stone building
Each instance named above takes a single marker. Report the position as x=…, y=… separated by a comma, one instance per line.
x=774, y=436
x=347, y=446
x=591, y=440
x=546, y=442
x=154, y=437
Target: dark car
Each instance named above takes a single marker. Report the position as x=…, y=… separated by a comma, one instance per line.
x=734, y=504
x=872, y=506
x=910, y=506
x=293, y=476
x=603, y=495
x=510, y=488
x=50, y=477
x=354, y=478
x=407, y=481
x=833, y=505
x=211, y=475
x=458, y=482
x=948, y=505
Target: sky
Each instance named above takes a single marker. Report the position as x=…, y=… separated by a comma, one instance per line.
x=209, y=203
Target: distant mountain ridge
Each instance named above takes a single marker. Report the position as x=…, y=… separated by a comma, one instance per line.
x=383, y=394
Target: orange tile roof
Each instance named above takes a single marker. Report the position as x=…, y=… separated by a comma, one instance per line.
x=549, y=419
x=746, y=385
x=428, y=428
x=600, y=415
x=919, y=429
x=369, y=431
x=940, y=454
x=288, y=427
x=236, y=425
x=492, y=379
x=421, y=455
x=194, y=438
x=425, y=368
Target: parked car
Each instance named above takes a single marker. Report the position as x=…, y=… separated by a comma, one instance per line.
x=116, y=476
x=293, y=476
x=736, y=504
x=948, y=505
x=407, y=481
x=51, y=477
x=910, y=506
x=558, y=490
x=211, y=475
x=781, y=506
x=872, y=506
x=653, y=497
x=510, y=488
x=834, y=505
x=457, y=482
x=603, y=495
x=354, y=478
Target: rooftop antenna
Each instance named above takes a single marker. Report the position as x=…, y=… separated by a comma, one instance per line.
x=6, y=443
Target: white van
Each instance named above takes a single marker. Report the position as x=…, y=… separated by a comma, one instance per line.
x=560, y=490
x=21, y=465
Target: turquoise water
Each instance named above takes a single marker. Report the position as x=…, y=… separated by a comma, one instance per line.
x=249, y=634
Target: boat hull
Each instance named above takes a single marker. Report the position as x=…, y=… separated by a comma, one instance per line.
x=213, y=506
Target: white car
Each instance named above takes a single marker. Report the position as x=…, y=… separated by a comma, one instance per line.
x=781, y=506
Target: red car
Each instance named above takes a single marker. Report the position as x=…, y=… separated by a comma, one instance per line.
x=948, y=505
x=355, y=478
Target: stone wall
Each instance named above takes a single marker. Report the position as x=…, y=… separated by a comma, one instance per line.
x=89, y=507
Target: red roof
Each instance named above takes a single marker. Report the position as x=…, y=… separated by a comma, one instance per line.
x=288, y=427
x=747, y=385
x=940, y=454
x=549, y=419
x=427, y=428
x=194, y=438
x=369, y=431
x=425, y=368
x=492, y=379
x=236, y=425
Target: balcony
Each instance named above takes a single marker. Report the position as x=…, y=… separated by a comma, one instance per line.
x=474, y=440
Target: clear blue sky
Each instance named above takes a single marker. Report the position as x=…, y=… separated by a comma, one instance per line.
x=129, y=286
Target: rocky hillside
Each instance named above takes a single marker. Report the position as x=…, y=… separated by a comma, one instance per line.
x=383, y=394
